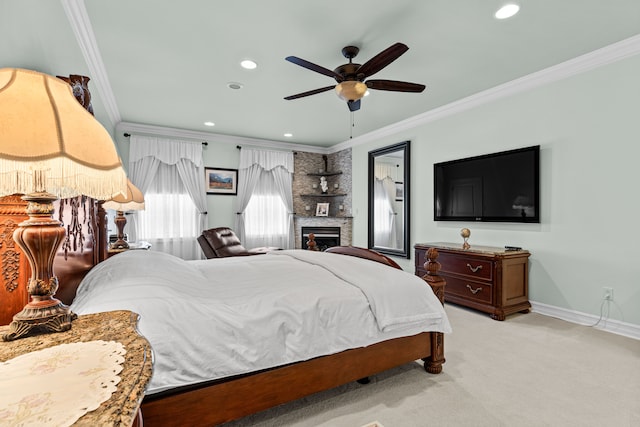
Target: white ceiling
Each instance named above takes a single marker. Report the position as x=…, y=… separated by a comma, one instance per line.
x=167, y=63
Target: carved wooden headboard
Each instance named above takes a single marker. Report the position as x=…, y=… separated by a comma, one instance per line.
x=84, y=246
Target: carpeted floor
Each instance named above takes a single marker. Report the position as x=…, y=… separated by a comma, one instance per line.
x=530, y=370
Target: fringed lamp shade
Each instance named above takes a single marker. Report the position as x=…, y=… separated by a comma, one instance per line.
x=133, y=201
x=50, y=147
x=43, y=127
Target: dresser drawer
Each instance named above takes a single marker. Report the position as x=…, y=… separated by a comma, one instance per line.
x=476, y=268
x=468, y=289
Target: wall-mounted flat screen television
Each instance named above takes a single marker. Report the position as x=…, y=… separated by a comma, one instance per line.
x=502, y=187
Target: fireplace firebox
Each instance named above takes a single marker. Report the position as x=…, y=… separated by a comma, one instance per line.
x=325, y=237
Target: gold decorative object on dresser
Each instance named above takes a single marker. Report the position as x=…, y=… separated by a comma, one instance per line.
x=490, y=279
x=121, y=408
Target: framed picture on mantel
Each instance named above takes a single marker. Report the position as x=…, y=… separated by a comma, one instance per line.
x=322, y=209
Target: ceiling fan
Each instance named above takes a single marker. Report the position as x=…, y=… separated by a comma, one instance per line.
x=351, y=78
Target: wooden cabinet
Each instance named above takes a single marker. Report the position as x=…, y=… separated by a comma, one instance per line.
x=15, y=266
x=485, y=278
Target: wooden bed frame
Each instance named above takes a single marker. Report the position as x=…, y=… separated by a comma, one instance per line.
x=224, y=400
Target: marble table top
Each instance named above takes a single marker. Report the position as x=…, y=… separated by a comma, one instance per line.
x=119, y=326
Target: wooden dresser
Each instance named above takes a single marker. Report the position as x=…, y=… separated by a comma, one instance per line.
x=489, y=279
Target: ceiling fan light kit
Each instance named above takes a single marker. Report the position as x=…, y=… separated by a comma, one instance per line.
x=351, y=90
x=351, y=78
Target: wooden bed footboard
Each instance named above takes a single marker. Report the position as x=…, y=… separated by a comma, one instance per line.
x=226, y=400
x=229, y=400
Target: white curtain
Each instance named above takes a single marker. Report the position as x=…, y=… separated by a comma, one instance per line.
x=247, y=180
x=384, y=190
x=265, y=200
x=170, y=173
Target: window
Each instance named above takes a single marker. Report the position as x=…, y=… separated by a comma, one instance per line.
x=266, y=217
x=170, y=219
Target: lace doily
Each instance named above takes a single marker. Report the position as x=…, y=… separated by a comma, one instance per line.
x=58, y=385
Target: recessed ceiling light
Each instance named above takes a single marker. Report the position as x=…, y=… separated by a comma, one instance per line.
x=248, y=64
x=209, y=124
x=234, y=85
x=288, y=135
x=507, y=11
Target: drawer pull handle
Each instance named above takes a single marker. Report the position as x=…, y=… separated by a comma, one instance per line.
x=474, y=269
x=474, y=291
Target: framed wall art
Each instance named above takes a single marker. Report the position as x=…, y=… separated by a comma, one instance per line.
x=221, y=181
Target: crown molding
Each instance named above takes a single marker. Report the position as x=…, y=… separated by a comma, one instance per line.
x=81, y=25
x=142, y=129
x=607, y=55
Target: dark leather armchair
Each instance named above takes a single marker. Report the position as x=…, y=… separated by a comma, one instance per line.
x=222, y=242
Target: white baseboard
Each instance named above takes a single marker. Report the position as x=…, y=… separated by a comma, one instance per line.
x=614, y=326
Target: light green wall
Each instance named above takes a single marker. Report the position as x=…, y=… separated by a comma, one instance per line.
x=221, y=208
x=588, y=127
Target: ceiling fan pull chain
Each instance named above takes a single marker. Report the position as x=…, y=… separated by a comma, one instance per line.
x=353, y=124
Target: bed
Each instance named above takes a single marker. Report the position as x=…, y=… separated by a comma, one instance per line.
x=214, y=402
x=360, y=326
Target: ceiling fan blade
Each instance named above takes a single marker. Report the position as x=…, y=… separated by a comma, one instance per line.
x=382, y=59
x=311, y=92
x=394, y=85
x=353, y=105
x=313, y=67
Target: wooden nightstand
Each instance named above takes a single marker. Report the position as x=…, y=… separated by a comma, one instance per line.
x=141, y=245
x=123, y=408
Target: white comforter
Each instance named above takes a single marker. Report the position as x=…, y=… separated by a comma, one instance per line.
x=221, y=317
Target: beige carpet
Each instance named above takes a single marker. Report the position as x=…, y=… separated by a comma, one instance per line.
x=530, y=370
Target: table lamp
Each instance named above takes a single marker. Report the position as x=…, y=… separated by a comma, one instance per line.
x=133, y=201
x=50, y=147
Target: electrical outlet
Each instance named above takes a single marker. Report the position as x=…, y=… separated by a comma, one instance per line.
x=607, y=294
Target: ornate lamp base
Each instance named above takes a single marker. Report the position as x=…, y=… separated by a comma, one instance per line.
x=120, y=221
x=39, y=237
x=35, y=317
